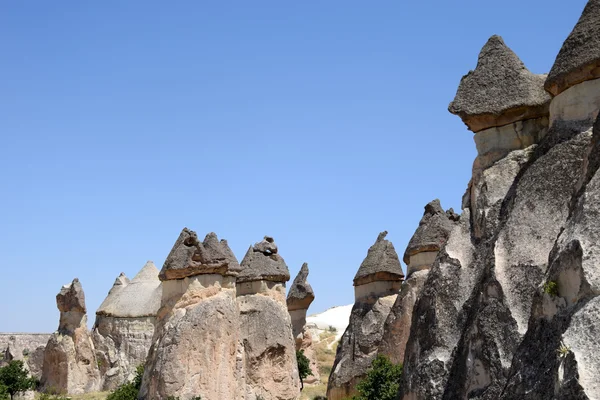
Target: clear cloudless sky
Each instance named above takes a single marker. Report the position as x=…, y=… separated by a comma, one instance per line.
x=318, y=123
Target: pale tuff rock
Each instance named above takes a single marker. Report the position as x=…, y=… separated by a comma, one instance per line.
x=191, y=257
x=500, y=91
x=579, y=57
x=193, y=351
x=422, y=250
x=299, y=298
x=27, y=347
x=124, y=325
x=377, y=283
x=70, y=364
x=267, y=356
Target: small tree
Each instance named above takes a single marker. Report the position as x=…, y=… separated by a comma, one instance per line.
x=303, y=367
x=15, y=378
x=382, y=381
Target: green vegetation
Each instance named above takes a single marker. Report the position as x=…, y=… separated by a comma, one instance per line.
x=130, y=390
x=563, y=350
x=4, y=395
x=332, y=328
x=15, y=379
x=382, y=381
x=551, y=288
x=303, y=367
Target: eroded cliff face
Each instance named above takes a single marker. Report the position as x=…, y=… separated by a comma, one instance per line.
x=509, y=308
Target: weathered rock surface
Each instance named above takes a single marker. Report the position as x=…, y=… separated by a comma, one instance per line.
x=70, y=364
x=193, y=351
x=579, y=57
x=500, y=91
x=267, y=351
x=422, y=250
x=124, y=326
x=377, y=283
x=27, y=347
x=298, y=300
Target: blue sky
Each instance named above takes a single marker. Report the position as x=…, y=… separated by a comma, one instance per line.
x=318, y=123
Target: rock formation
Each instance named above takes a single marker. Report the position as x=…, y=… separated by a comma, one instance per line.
x=124, y=325
x=194, y=346
x=27, y=347
x=299, y=298
x=267, y=348
x=421, y=252
x=70, y=364
x=376, y=287
x=509, y=307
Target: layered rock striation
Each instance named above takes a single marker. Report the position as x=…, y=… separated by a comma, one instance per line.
x=376, y=287
x=70, y=364
x=299, y=298
x=124, y=325
x=193, y=351
x=267, y=351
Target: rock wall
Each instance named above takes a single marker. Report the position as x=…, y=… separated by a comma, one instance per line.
x=28, y=347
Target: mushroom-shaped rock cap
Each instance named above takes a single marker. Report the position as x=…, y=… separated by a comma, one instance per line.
x=579, y=57
x=262, y=262
x=71, y=298
x=139, y=298
x=301, y=293
x=500, y=90
x=191, y=257
x=433, y=231
x=381, y=263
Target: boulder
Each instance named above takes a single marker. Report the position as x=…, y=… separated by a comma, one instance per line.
x=267, y=350
x=70, y=364
x=193, y=350
x=124, y=326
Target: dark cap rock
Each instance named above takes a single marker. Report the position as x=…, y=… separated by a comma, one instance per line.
x=433, y=231
x=381, y=263
x=579, y=58
x=71, y=298
x=500, y=90
x=301, y=293
x=262, y=262
x=191, y=257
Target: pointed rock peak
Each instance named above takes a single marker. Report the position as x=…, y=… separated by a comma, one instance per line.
x=500, y=90
x=381, y=263
x=71, y=297
x=579, y=57
x=262, y=262
x=148, y=273
x=433, y=231
x=301, y=293
x=121, y=280
x=191, y=257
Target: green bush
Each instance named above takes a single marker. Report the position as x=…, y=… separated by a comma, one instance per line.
x=382, y=381
x=15, y=378
x=303, y=367
x=129, y=390
x=551, y=288
x=332, y=328
x=4, y=395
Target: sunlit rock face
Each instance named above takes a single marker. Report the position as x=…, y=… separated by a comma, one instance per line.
x=70, y=364
x=267, y=350
x=508, y=307
x=376, y=286
x=193, y=350
x=124, y=326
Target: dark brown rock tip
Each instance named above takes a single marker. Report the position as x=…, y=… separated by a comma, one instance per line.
x=433, y=231
x=579, y=58
x=301, y=293
x=71, y=298
x=381, y=263
x=190, y=257
x=500, y=90
x=262, y=262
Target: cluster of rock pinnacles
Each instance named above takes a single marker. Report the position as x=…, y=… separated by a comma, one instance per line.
x=500, y=302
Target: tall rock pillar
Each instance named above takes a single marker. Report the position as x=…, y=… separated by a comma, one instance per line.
x=70, y=364
x=267, y=344
x=376, y=286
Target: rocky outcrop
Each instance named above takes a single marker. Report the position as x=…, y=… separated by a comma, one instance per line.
x=193, y=351
x=124, y=326
x=509, y=305
x=27, y=347
x=376, y=287
x=299, y=298
x=267, y=353
x=70, y=364
x=422, y=250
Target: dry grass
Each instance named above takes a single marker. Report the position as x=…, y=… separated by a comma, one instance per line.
x=325, y=359
x=86, y=396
